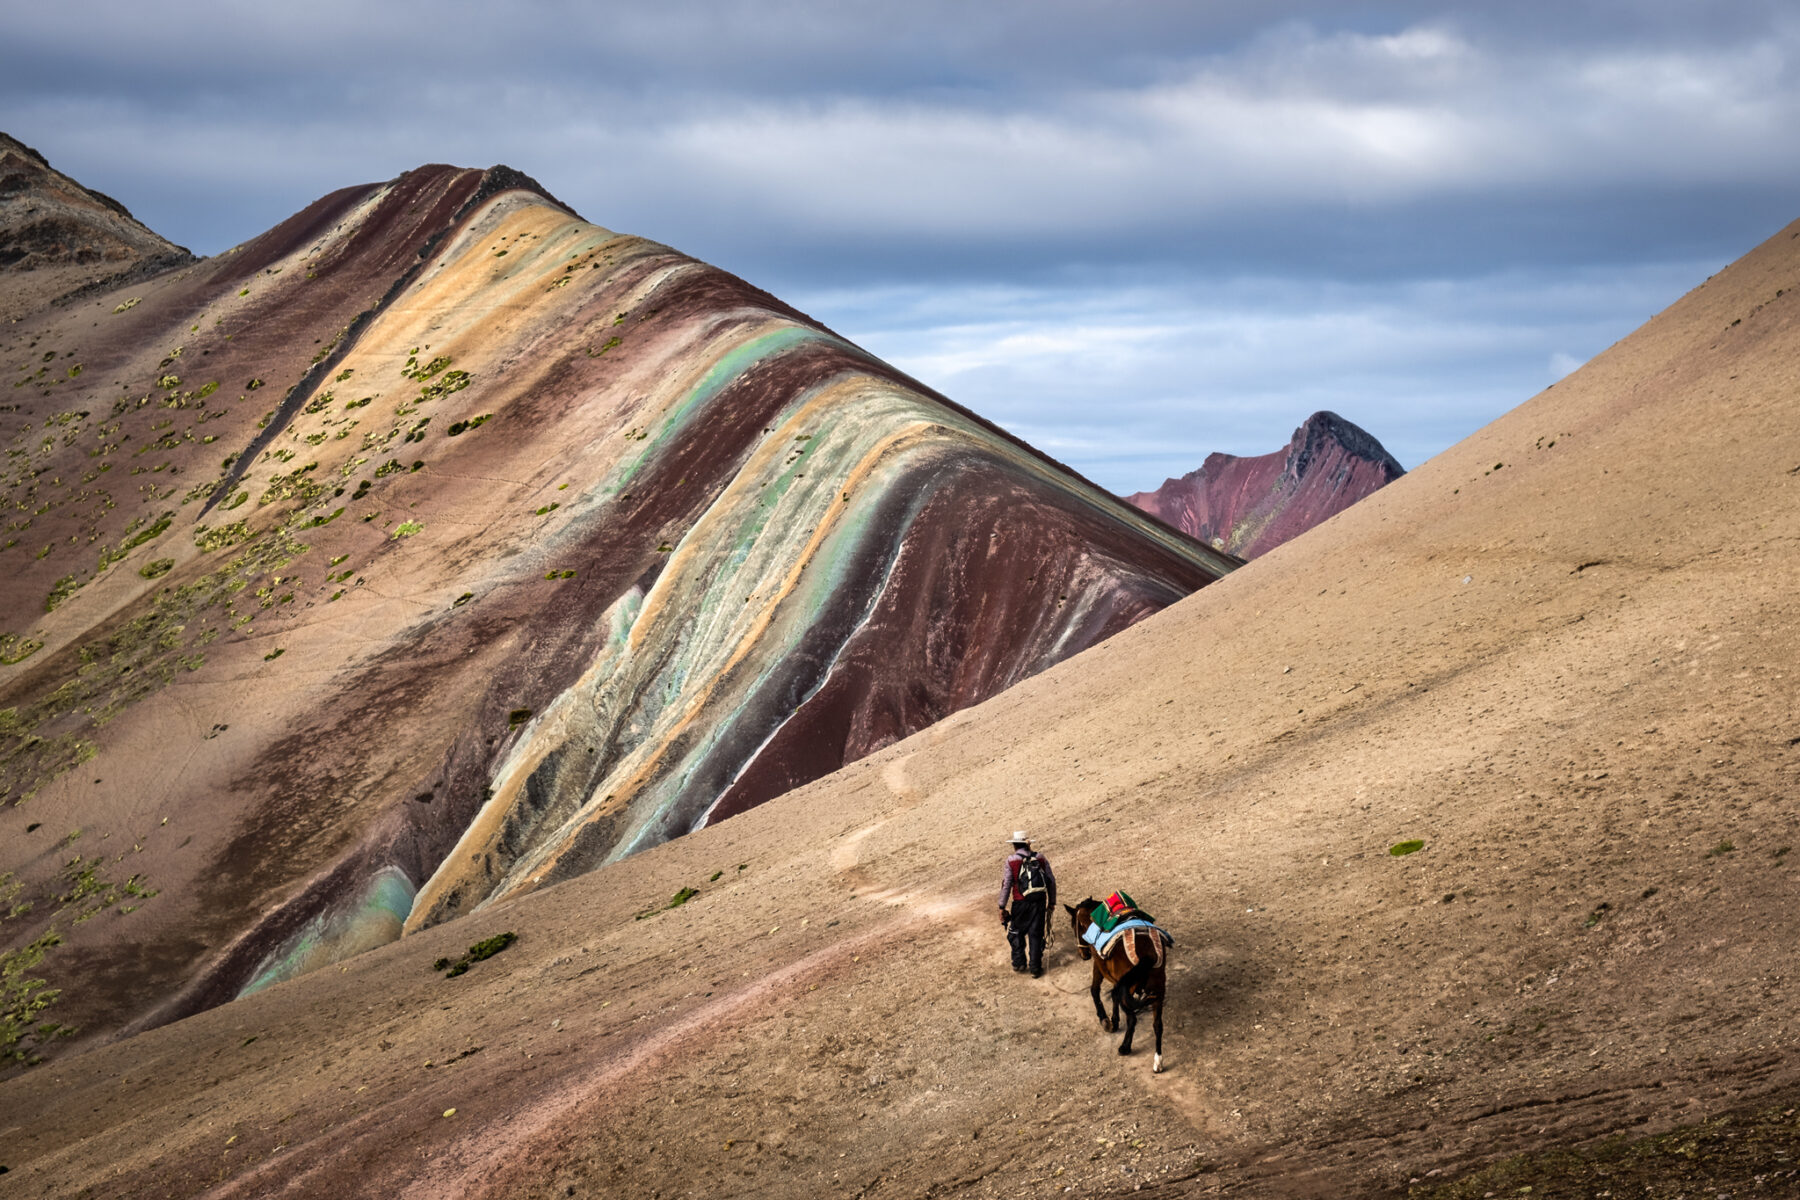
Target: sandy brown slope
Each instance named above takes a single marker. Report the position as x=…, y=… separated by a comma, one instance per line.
x=1561, y=654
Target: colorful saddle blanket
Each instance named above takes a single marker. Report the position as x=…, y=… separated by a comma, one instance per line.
x=1102, y=939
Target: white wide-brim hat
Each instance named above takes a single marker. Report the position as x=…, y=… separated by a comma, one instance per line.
x=1019, y=835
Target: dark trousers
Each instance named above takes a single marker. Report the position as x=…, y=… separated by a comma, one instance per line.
x=1026, y=931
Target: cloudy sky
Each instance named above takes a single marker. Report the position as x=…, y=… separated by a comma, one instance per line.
x=1132, y=232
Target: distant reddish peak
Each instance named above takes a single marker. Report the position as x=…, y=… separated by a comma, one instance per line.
x=1248, y=506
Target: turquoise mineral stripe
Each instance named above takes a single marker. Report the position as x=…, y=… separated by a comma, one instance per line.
x=624, y=616
x=370, y=920
x=731, y=364
x=816, y=590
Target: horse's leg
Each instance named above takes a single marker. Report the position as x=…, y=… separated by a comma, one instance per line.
x=1094, y=991
x=1114, y=1027
x=1156, y=1063
x=1130, y=1016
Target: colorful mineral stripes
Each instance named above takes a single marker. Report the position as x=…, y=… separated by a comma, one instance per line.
x=541, y=545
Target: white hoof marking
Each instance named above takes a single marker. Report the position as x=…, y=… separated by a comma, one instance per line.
x=1156, y=1066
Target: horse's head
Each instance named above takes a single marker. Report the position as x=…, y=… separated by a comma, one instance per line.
x=1079, y=916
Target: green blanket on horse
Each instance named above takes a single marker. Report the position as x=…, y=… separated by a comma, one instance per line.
x=1119, y=907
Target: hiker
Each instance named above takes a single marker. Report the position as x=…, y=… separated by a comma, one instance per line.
x=1031, y=886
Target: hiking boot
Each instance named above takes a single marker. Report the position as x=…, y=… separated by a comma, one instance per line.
x=1019, y=968
x=1037, y=972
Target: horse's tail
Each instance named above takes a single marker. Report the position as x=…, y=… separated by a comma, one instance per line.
x=1134, y=989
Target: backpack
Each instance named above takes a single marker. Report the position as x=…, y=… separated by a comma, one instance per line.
x=1032, y=879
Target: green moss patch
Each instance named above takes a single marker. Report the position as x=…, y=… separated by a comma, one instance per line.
x=134, y=537
x=484, y=949
x=81, y=891
x=60, y=591
x=223, y=538
x=50, y=731
x=453, y=381
x=676, y=901
x=15, y=649
x=293, y=485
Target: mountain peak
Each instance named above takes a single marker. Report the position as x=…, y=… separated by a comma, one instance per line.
x=1325, y=430
x=58, y=237
x=1248, y=506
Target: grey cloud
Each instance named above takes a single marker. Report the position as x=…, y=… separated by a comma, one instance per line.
x=1131, y=384
x=1205, y=143
x=1249, y=210
x=1365, y=122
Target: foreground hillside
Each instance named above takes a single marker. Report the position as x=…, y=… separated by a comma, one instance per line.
x=438, y=544
x=1560, y=655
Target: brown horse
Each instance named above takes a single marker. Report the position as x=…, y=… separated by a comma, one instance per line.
x=1134, y=966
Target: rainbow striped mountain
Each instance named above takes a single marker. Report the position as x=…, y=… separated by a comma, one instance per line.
x=438, y=544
